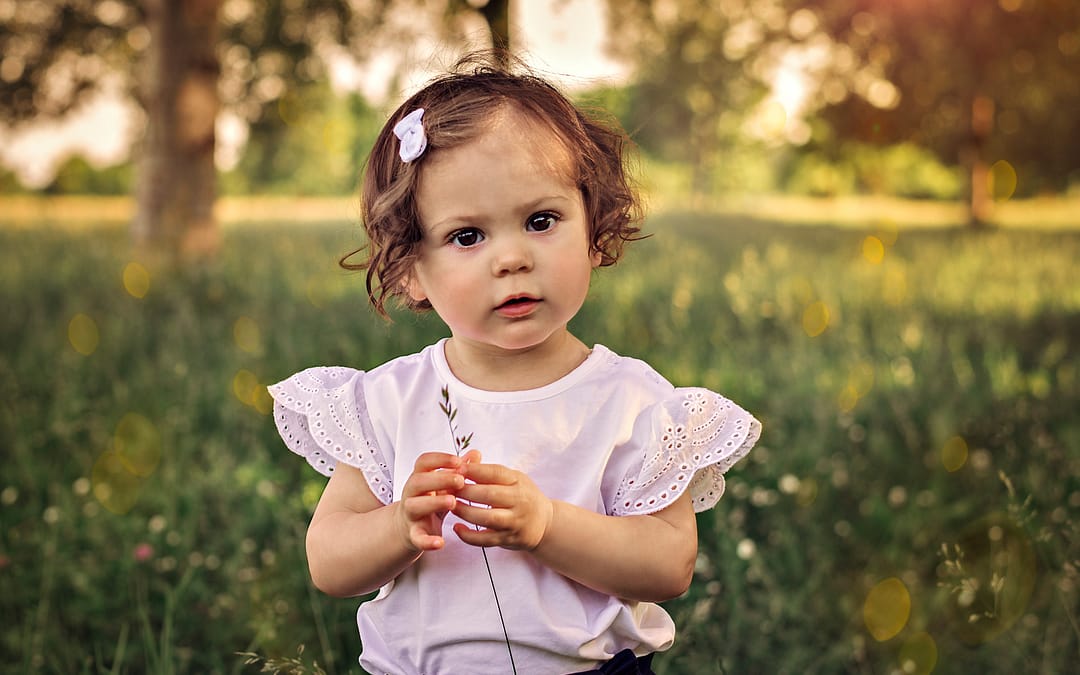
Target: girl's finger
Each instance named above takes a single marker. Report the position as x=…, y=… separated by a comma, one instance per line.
x=424, y=541
x=471, y=457
x=430, y=461
x=422, y=506
x=496, y=496
x=494, y=474
x=433, y=481
x=488, y=538
x=480, y=516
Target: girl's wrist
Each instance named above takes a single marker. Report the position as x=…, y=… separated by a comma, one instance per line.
x=403, y=529
x=549, y=512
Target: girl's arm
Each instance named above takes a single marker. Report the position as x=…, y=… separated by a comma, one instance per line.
x=355, y=543
x=648, y=558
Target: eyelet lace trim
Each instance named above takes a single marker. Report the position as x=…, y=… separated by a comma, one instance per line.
x=321, y=415
x=700, y=435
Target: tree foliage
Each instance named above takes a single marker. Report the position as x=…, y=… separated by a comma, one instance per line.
x=966, y=78
x=700, y=66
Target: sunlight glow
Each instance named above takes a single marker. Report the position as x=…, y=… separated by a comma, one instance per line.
x=1002, y=180
x=247, y=335
x=873, y=250
x=136, y=280
x=919, y=654
x=112, y=484
x=954, y=454
x=887, y=608
x=815, y=319
x=137, y=444
x=83, y=334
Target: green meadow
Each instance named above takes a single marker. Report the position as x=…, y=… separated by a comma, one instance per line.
x=913, y=505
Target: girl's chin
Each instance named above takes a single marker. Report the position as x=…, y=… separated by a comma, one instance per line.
x=513, y=344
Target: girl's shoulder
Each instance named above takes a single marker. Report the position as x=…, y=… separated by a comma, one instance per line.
x=632, y=368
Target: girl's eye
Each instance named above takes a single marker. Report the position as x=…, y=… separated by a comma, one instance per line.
x=541, y=222
x=466, y=238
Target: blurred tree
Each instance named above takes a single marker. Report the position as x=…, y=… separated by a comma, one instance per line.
x=78, y=176
x=327, y=138
x=185, y=61
x=182, y=60
x=972, y=80
x=700, y=66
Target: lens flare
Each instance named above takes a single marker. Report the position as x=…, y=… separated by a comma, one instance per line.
x=815, y=319
x=245, y=385
x=954, y=454
x=998, y=575
x=113, y=484
x=918, y=655
x=137, y=444
x=262, y=401
x=873, y=250
x=887, y=608
x=247, y=335
x=1002, y=179
x=83, y=334
x=136, y=280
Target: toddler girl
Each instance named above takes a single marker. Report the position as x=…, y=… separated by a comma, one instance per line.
x=519, y=499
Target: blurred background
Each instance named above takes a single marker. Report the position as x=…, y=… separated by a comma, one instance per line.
x=865, y=218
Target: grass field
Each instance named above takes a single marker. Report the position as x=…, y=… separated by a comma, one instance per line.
x=913, y=506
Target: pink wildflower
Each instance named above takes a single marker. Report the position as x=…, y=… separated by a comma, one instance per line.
x=143, y=552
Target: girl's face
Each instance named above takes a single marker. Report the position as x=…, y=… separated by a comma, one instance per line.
x=505, y=258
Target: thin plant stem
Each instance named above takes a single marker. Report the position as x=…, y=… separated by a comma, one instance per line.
x=460, y=444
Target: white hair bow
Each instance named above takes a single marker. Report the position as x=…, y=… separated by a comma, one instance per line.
x=410, y=131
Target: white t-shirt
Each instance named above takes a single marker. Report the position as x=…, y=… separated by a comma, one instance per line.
x=612, y=436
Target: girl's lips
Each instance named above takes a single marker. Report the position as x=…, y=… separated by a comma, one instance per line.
x=517, y=307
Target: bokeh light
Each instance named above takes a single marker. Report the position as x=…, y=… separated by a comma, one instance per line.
x=137, y=443
x=83, y=334
x=1002, y=179
x=873, y=250
x=954, y=454
x=136, y=280
x=859, y=382
x=244, y=386
x=262, y=401
x=848, y=399
x=247, y=335
x=112, y=484
x=887, y=608
x=815, y=318
x=251, y=392
x=919, y=654
x=317, y=293
x=996, y=578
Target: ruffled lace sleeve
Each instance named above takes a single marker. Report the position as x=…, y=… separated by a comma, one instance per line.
x=685, y=442
x=321, y=415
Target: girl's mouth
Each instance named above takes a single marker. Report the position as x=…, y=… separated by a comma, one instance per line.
x=517, y=307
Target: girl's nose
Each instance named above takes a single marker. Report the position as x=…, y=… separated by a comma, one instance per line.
x=512, y=256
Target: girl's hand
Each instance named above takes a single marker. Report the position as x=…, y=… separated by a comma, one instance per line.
x=427, y=497
x=512, y=512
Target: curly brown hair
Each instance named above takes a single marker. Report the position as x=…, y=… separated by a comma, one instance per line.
x=457, y=108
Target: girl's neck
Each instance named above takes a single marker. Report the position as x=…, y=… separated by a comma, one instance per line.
x=490, y=369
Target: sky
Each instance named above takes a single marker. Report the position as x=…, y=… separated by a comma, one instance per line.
x=557, y=37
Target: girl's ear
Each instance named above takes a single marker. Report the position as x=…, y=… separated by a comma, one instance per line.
x=596, y=257
x=412, y=286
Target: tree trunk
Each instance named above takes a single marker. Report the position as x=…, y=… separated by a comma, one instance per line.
x=177, y=181
x=982, y=123
x=497, y=15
